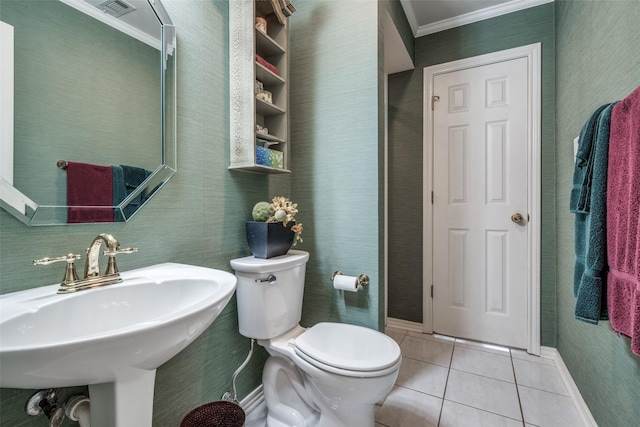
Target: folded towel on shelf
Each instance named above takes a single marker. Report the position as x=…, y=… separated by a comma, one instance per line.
x=590, y=228
x=267, y=64
x=126, y=179
x=89, y=187
x=623, y=219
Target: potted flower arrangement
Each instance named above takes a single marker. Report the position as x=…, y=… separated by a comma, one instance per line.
x=273, y=229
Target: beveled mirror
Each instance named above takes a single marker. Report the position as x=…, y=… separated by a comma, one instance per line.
x=94, y=109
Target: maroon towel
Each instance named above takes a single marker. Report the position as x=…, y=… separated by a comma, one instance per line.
x=267, y=64
x=623, y=219
x=89, y=185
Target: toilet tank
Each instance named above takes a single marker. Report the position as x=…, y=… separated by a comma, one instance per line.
x=266, y=310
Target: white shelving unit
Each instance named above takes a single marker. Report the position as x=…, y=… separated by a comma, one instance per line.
x=247, y=111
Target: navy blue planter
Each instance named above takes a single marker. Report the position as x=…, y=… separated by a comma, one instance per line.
x=269, y=239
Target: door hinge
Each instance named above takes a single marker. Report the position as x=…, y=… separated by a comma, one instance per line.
x=432, y=197
x=434, y=99
x=431, y=291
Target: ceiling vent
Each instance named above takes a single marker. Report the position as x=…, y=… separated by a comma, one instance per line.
x=116, y=8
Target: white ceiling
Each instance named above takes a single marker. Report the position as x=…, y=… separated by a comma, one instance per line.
x=431, y=16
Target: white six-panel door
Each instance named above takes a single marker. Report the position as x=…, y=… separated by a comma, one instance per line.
x=480, y=189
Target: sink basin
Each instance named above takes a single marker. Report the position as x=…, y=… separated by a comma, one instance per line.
x=111, y=338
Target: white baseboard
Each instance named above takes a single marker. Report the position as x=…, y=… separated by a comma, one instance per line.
x=581, y=406
x=404, y=324
x=252, y=400
x=255, y=408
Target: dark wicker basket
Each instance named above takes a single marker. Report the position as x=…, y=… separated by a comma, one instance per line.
x=220, y=413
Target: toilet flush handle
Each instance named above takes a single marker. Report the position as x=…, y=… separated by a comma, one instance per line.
x=271, y=279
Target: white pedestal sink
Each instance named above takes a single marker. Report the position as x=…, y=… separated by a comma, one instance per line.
x=111, y=338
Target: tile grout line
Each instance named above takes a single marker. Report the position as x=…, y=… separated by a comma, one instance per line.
x=515, y=379
x=446, y=383
x=485, y=411
x=546, y=391
x=422, y=361
x=484, y=376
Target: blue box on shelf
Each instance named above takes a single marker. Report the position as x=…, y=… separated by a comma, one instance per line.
x=269, y=157
x=262, y=156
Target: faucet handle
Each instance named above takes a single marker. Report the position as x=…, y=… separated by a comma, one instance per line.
x=117, y=251
x=112, y=268
x=70, y=258
x=70, y=275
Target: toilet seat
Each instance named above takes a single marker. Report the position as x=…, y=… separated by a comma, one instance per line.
x=348, y=350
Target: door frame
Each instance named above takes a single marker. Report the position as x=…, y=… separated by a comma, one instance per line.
x=533, y=54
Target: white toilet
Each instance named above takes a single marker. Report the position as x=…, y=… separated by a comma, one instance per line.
x=330, y=375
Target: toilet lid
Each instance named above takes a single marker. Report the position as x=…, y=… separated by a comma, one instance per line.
x=348, y=347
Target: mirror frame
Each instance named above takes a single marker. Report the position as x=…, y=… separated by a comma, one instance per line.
x=34, y=214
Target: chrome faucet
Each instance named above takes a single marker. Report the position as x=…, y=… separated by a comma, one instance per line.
x=92, y=277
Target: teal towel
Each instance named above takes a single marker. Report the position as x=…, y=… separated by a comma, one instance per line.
x=119, y=190
x=583, y=171
x=590, y=227
x=125, y=180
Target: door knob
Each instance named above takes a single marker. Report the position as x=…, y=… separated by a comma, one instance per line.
x=517, y=218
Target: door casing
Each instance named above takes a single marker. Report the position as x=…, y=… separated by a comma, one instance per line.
x=533, y=54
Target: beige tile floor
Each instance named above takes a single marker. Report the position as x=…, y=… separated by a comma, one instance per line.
x=445, y=382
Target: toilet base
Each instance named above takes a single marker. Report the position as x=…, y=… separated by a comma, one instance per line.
x=285, y=395
x=354, y=417
x=293, y=402
x=335, y=412
x=328, y=420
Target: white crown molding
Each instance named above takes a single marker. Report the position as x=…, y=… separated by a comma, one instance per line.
x=467, y=18
x=411, y=15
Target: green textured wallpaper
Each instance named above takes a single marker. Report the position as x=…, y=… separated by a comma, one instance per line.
x=197, y=218
x=598, y=62
x=405, y=151
x=336, y=148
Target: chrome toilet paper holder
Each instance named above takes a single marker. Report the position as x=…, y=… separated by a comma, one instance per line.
x=362, y=280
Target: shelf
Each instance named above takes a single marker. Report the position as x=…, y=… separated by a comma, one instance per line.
x=260, y=169
x=267, y=109
x=267, y=76
x=266, y=46
x=269, y=137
